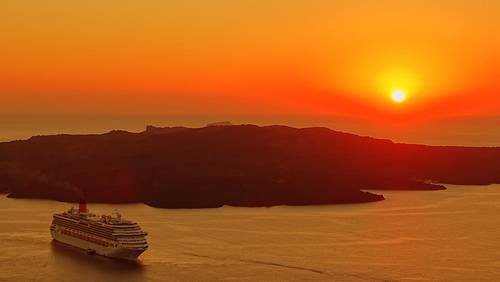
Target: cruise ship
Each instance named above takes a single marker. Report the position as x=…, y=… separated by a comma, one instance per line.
x=107, y=235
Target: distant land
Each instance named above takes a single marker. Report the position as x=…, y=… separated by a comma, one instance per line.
x=237, y=165
x=446, y=131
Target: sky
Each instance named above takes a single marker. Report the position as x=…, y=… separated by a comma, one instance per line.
x=235, y=59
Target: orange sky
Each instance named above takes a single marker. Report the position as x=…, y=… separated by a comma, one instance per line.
x=251, y=57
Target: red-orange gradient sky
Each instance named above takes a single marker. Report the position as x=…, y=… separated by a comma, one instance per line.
x=319, y=57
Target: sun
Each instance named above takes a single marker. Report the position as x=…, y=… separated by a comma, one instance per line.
x=398, y=96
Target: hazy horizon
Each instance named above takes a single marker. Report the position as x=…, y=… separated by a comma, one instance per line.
x=456, y=131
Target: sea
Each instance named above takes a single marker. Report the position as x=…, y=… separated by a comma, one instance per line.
x=449, y=235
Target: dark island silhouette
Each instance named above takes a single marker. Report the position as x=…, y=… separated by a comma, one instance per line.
x=237, y=165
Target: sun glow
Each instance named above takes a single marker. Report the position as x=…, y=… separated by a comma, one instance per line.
x=396, y=84
x=398, y=96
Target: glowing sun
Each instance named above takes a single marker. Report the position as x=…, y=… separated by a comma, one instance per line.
x=398, y=96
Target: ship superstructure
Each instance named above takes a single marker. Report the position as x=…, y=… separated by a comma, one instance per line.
x=108, y=235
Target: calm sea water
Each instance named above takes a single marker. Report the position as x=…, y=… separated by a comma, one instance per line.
x=451, y=235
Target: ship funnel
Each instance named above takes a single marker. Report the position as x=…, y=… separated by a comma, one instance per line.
x=82, y=207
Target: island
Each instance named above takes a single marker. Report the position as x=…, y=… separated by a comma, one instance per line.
x=237, y=165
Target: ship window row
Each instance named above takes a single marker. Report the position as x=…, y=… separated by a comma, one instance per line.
x=84, y=237
x=87, y=230
x=131, y=238
x=128, y=232
x=143, y=241
x=136, y=239
x=139, y=235
x=142, y=246
x=104, y=230
x=96, y=226
x=134, y=245
x=133, y=241
x=65, y=218
x=127, y=229
x=127, y=226
x=135, y=233
x=84, y=227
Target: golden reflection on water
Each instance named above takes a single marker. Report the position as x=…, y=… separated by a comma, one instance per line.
x=449, y=235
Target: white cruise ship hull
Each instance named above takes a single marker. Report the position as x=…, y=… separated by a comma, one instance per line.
x=108, y=251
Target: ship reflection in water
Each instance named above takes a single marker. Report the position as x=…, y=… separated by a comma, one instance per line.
x=77, y=262
x=449, y=235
